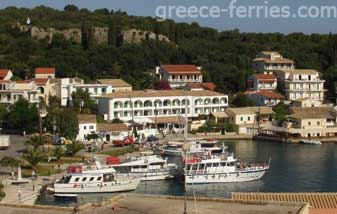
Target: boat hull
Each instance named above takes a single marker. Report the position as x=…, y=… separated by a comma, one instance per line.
x=108, y=187
x=232, y=177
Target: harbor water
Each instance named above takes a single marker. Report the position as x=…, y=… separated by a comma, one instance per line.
x=294, y=168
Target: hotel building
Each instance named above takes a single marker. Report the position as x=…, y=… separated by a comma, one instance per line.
x=301, y=84
x=270, y=61
x=179, y=75
x=129, y=105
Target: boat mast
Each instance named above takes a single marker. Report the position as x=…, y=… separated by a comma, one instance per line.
x=185, y=152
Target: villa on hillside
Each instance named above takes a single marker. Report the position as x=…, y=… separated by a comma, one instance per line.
x=301, y=84
x=179, y=75
x=269, y=61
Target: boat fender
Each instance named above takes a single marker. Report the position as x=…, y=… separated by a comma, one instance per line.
x=75, y=185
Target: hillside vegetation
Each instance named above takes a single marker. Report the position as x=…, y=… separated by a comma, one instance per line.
x=225, y=56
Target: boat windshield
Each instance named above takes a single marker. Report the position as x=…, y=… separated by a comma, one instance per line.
x=108, y=177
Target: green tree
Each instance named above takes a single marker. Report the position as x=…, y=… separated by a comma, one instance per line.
x=3, y=113
x=67, y=123
x=73, y=148
x=117, y=121
x=241, y=100
x=34, y=157
x=281, y=112
x=83, y=102
x=71, y=8
x=10, y=162
x=23, y=116
x=58, y=152
x=36, y=141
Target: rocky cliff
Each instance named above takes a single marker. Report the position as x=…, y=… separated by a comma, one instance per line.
x=99, y=34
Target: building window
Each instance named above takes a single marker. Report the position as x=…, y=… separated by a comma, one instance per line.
x=103, y=90
x=125, y=114
x=318, y=123
x=84, y=127
x=241, y=118
x=91, y=127
x=309, y=123
x=115, y=115
x=248, y=118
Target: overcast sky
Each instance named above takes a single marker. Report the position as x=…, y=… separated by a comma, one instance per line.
x=148, y=8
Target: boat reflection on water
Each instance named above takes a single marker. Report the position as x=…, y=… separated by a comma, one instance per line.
x=223, y=190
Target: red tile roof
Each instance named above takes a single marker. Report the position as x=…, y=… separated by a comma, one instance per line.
x=181, y=69
x=205, y=85
x=4, y=81
x=40, y=81
x=265, y=77
x=3, y=73
x=45, y=70
x=270, y=94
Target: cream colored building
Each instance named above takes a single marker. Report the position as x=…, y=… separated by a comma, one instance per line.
x=269, y=61
x=10, y=92
x=301, y=84
x=306, y=103
x=115, y=84
x=246, y=118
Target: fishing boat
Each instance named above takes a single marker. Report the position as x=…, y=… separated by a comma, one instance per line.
x=100, y=180
x=311, y=142
x=220, y=168
x=149, y=168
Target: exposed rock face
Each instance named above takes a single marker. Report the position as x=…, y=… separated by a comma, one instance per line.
x=100, y=34
x=137, y=36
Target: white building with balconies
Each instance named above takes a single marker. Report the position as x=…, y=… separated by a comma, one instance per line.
x=301, y=84
x=10, y=92
x=270, y=61
x=179, y=75
x=130, y=105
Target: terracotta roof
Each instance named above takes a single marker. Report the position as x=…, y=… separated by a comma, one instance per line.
x=161, y=93
x=265, y=77
x=276, y=61
x=249, y=92
x=111, y=127
x=316, y=200
x=301, y=71
x=5, y=81
x=205, y=85
x=46, y=70
x=114, y=82
x=249, y=110
x=181, y=69
x=40, y=81
x=86, y=118
x=3, y=73
x=270, y=94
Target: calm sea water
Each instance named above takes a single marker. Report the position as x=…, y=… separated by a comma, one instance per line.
x=294, y=168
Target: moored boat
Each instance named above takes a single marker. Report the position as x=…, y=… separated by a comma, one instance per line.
x=311, y=142
x=220, y=168
x=100, y=180
x=149, y=168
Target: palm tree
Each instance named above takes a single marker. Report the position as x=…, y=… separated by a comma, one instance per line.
x=58, y=152
x=34, y=157
x=36, y=141
x=10, y=162
x=73, y=148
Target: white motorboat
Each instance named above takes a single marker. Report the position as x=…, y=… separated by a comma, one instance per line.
x=100, y=180
x=311, y=142
x=220, y=168
x=149, y=168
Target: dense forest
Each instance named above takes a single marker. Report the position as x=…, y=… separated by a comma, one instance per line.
x=225, y=56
